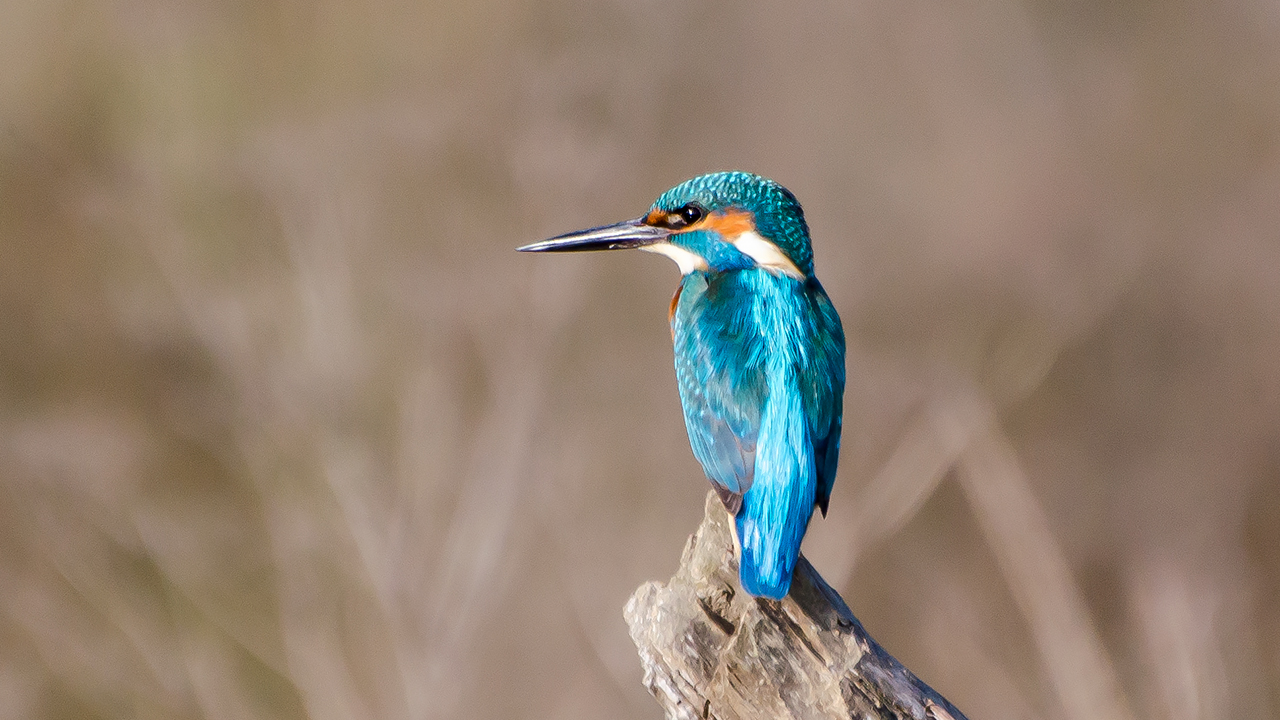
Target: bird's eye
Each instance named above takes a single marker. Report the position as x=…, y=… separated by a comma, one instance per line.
x=686, y=216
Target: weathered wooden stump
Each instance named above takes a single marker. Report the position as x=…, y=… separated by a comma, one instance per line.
x=710, y=650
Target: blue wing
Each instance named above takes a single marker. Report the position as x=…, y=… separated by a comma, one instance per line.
x=824, y=390
x=722, y=386
x=760, y=364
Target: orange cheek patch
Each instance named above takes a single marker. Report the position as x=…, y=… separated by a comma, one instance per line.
x=730, y=224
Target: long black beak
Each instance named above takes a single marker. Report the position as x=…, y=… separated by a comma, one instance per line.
x=619, y=236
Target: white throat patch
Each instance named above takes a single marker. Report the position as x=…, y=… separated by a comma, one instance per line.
x=686, y=260
x=766, y=254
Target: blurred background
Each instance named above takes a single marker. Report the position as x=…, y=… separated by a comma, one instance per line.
x=288, y=430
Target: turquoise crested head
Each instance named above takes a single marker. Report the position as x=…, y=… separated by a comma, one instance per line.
x=738, y=209
x=717, y=222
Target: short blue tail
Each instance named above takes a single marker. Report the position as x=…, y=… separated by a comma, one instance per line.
x=776, y=509
x=769, y=554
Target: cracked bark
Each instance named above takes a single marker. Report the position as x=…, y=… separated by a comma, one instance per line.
x=710, y=650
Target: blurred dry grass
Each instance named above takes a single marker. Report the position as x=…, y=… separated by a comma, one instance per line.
x=289, y=430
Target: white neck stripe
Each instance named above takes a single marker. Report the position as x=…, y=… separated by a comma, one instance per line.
x=766, y=254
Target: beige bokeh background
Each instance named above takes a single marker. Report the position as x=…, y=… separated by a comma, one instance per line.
x=288, y=430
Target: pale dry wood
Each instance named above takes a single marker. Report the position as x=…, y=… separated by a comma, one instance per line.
x=710, y=650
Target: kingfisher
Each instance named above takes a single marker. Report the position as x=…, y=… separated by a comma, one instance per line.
x=759, y=356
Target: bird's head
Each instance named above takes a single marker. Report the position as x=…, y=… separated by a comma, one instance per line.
x=713, y=223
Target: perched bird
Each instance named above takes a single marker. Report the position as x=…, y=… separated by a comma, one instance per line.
x=759, y=355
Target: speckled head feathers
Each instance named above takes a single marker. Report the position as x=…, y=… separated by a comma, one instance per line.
x=776, y=213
